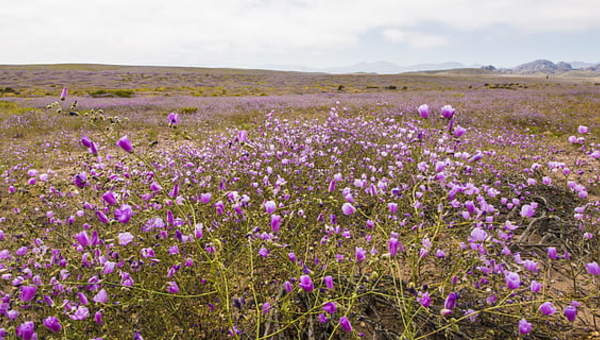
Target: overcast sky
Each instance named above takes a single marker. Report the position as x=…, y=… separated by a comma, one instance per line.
x=314, y=33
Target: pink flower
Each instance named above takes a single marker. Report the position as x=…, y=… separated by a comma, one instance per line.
x=592, y=268
x=547, y=308
x=424, y=111
x=459, y=131
x=270, y=207
x=527, y=210
x=535, y=286
x=64, y=93
x=582, y=129
x=101, y=297
x=448, y=111
x=125, y=238
x=478, y=235
x=348, y=209
x=81, y=313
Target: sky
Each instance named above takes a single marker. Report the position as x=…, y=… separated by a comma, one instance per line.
x=311, y=33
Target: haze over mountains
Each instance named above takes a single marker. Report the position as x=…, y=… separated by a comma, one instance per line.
x=386, y=67
x=380, y=67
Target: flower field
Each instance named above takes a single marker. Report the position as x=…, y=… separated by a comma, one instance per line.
x=448, y=210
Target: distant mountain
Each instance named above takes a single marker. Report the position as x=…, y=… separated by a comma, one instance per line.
x=379, y=67
x=546, y=66
x=594, y=68
x=582, y=64
x=543, y=66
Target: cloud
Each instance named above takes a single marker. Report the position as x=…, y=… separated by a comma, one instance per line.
x=415, y=39
x=226, y=31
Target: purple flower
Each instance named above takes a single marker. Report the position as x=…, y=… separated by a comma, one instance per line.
x=173, y=118
x=242, y=136
x=199, y=231
x=86, y=141
x=124, y=213
x=82, y=238
x=205, y=197
x=535, y=286
x=125, y=144
x=530, y=265
x=155, y=187
x=448, y=111
x=102, y=217
x=478, y=235
x=109, y=197
x=570, y=312
x=26, y=331
x=101, y=297
x=394, y=246
x=552, y=253
x=287, y=286
x=98, y=318
x=547, y=308
x=593, y=268
x=27, y=293
x=266, y=308
x=348, y=209
x=328, y=280
x=172, y=287
x=424, y=111
x=512, y=279
x=53, y=324
x=393, y=208
x=270, y=207
x=80, y=180
x=459, y=131
x=125, y=238
x=174, y=192
x=306, y=283
x=450, y=301
x=359, y=254
x=330, y=307
x=264, y=252
x=345, y=324
x=527, y=210
x=275, y=223
x=424, y=299
x=524, y=326
x=582, y=129
x=322, y=318
x=64, y=93
x=108, y=267
x=81, y=313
